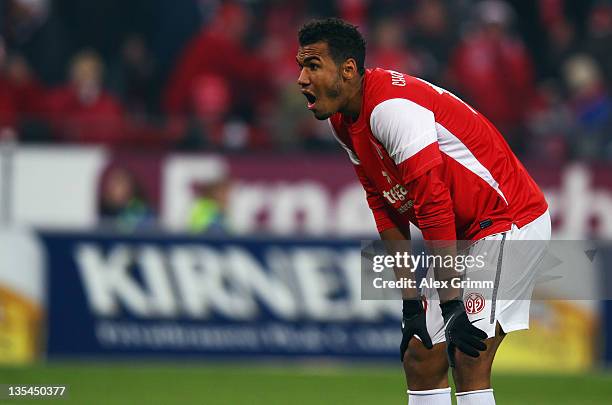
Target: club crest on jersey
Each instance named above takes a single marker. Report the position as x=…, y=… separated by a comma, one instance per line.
x=474, y=303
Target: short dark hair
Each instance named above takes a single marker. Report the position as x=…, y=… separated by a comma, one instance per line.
x=343, y=39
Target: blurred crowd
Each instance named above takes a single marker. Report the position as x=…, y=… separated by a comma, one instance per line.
x=221, y=75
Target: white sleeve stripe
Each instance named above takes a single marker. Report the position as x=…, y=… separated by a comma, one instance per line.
x=408, y=151
x=454, y=148
x=403, y=127
x=352, y=155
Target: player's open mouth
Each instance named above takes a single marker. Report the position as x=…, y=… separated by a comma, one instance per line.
x=311, y=100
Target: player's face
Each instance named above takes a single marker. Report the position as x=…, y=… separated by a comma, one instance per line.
x=320, y=80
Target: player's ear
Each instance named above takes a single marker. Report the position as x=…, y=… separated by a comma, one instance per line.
x=349, y=69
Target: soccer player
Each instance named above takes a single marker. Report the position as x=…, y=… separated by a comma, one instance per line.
x=427, y=158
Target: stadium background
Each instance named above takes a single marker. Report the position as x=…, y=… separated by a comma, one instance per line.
x=175, y=226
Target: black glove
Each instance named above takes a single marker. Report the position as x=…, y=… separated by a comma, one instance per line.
x=460, y=332
x=413, y=323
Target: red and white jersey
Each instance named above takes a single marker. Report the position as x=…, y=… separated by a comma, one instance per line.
x=426, y=157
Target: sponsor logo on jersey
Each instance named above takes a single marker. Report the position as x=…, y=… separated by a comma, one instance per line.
x=395, y=194
x=405, y=207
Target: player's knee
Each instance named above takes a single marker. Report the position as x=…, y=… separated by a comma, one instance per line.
x=426, y=369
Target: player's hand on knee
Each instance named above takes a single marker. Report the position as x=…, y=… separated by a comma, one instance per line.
x=413, y=323
x=459, y=331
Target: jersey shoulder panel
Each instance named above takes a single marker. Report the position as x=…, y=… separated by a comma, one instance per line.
x=385, y=85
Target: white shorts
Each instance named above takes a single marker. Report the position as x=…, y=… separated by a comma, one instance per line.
x=513, y=269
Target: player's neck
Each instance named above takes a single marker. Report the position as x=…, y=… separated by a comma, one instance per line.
x=355, y=100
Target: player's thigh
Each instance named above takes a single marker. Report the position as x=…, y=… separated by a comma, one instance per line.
x=473, y=373
x=426, y=368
